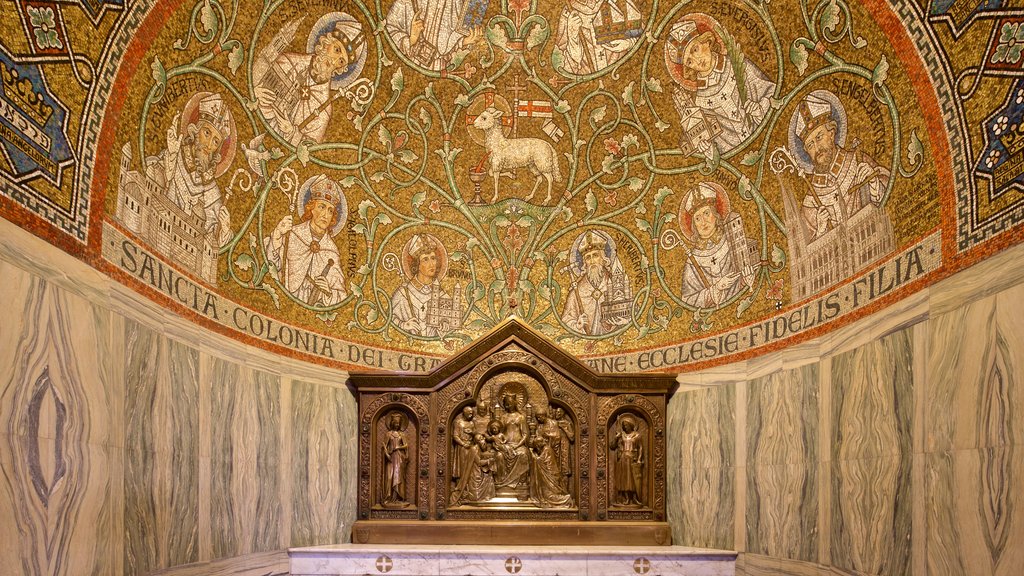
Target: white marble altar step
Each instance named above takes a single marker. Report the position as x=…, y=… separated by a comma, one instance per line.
x=408, y=560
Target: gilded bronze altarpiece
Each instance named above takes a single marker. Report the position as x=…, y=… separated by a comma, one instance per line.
x=512, y=441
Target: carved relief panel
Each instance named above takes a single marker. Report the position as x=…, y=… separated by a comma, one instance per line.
x=394, y=440
x=631, y=431
x=510, y=437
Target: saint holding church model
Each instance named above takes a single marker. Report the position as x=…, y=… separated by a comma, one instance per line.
x=420, y=306
x=721, y=95
x=296, y=92
x=200, y=146
x=841, y=180
x=720, y=262
x=600, y=297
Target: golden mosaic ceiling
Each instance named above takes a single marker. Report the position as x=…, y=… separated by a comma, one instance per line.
x=653, y=185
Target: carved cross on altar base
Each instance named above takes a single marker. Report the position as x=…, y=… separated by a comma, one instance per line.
x=513, y=565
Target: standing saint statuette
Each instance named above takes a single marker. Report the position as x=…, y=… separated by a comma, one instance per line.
x=396, y=459
x=629, y=462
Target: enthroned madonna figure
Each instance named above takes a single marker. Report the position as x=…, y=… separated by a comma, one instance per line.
x=516, y=456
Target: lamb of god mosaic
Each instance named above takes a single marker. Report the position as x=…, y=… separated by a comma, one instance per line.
x=616, y=173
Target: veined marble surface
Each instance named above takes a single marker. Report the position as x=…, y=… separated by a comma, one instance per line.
x=872, y=405
x=132, y=441
x=701, y=438
x=352, y=559
x=974, y=422
x=891, y=447
x=782, y=464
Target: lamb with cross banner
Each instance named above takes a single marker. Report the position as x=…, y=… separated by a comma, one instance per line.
x=507, y=154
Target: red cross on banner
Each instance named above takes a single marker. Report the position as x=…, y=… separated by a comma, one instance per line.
x=534, y=109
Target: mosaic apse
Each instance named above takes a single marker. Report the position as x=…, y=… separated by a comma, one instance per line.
x=653, y=185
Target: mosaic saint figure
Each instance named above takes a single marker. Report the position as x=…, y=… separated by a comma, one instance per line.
x=429, y=32
x=306, y=254
x=841, y=180
x=396, y=458
x=721, y=95
x=477, y=482
x=600, y=296
x=718, y=265
x=462, y=438
x=629, y=461
x=200, y=146
x=420, y=306
x=296, y=91
x=594, y=34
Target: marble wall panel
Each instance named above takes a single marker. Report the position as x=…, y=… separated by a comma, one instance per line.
x=274, y=563
x=707, y=503
x=782, y=510
x=323, y=450
x=974, y=503
x=162, y=453
x=871, y=495
x=782, y=484
x=759, y=565
x=51, y=330
x=673, y=459
x=974, y=464
x=782, y=417
x=77, y=530
x=123, y=453
x=58, y=436
x=702, y=426
x=975, y=398
x=244, y=459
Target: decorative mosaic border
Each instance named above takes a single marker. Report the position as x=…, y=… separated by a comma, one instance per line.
x=918, y=265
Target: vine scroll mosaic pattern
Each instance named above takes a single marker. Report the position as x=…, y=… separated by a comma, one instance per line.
x=654, y=185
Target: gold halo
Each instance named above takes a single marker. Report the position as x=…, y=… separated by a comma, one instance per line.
x=478, y=105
